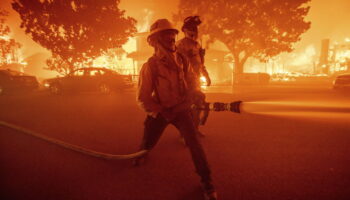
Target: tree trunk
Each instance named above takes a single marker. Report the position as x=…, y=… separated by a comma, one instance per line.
x=238, y=70
x=239, y=65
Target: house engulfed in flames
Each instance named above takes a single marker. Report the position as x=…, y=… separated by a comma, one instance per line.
x=142, y=52
x=11, y=54
x=340, y=57
x=117, y=59
x=127, y=60
x=335, y=59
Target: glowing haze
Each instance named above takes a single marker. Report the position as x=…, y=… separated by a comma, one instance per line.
x=330, y=19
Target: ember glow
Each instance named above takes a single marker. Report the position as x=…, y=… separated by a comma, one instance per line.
x=4, y=37
x=120, y=63
x=203, y=80
x=339, y=57
x=273, y=123
x=13, y=58
x=302, y=60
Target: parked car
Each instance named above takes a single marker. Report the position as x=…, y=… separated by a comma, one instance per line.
x=100, y=80
x=342, y=82
x=15, y=81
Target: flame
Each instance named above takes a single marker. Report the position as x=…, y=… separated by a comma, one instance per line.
x=15, y=56
x=340, y=57
x=304, y=58
x=145, y=23
x=4, y=37
x=130, y=46
x=203, y=80
x=121, y=63
x=125, y=65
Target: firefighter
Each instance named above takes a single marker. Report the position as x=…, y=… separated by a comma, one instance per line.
x=163, y=94
x=192, y=50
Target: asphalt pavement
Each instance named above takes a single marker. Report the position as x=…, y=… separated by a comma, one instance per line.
x=274, y=155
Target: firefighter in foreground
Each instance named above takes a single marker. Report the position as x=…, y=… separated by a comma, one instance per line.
x=164, y=94
x=193, y=51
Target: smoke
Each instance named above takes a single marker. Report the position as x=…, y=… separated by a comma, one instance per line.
x=29, y=47
x=329, y=20
x=151, y=10
x=304, y=58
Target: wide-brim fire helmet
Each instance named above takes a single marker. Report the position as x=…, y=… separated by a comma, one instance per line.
x=159, y=26
x=191, y=23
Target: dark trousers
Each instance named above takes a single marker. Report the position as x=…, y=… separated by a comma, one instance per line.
x=196, y=116
x=198, y=100
x=154, y=127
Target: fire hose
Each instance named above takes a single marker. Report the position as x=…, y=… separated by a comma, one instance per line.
x=217, y=106
x=72, y=146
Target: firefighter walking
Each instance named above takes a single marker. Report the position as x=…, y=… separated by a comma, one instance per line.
x=193, y=51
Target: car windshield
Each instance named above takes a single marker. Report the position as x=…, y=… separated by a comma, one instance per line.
x=93, y=72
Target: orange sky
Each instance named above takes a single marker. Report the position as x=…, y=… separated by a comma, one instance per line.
x=330, y=19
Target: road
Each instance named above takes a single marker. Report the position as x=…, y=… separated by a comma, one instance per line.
x=272, y=155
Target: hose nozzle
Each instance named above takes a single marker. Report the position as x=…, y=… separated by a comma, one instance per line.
x=235, y=106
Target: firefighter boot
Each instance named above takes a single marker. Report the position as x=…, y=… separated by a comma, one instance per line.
x=209, y=191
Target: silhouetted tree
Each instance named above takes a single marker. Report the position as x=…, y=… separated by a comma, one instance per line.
x=75, y=31
x=250, y=28
x=56, y=63
x=8, y=46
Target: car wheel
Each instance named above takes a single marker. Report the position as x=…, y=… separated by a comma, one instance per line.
x=104, y=88
x=55, y=89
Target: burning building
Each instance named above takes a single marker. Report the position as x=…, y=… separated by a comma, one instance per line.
x=142, y=52
x=339, y=57
x=334, y=58
x=11, y=54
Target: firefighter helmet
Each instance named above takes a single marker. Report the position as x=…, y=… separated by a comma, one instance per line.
x=161, y=25
x=191, y=23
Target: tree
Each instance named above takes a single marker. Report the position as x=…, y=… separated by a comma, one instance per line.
x=75, y=31
x=250, y=28
x=56, y=63
x=8, y=46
